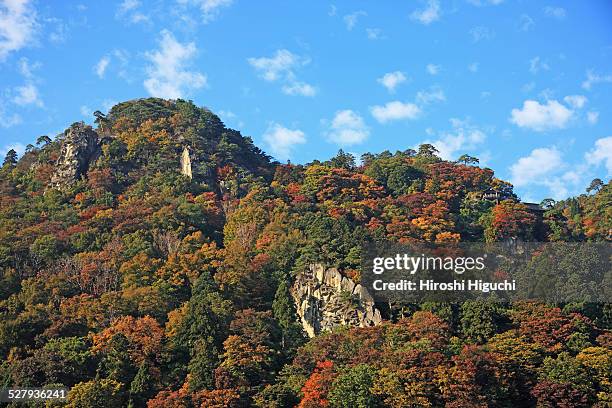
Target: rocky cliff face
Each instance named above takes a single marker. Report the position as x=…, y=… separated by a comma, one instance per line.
x=325, y=299
x=80, y=147
x=186, y=162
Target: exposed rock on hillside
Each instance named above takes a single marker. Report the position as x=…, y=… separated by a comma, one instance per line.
x=80, y=147
x=186, y=162
x=325, y=299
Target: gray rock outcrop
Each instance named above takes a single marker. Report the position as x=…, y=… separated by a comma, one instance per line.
x=80, y=147
x=325, y=299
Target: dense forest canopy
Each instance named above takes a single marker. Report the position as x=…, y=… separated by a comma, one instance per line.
x=135, y=283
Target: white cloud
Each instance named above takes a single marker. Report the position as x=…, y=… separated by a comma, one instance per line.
x=130, y=10
x=168, y=76
x=395, y=110
x=593, y=79
x=26, y=69
x=347, y=128
x=536, y=65
x=541, y=117
x=540, y=163
x=601, y=153
x=226, y=115
x=433, y=69
x=547, y=94
x=27, y=95
x=463, y=137
x=351, y=19
x=18, y=25
x=485, y=2
x=391, y=80
x=526, y=23
x=374, y=33
x=576, y=101
x=128, y=5
x=100, y=67
x=332, y=10
x=481, y=33
x=210, y=8
x=429, y=14
x=8, y=120
x=473, y=67
x=528, y=87
x=435, y=94
x=557, y=12
x=60, y=32
x=299, y=88
x=86, y=111
x=281, y=141
x=281, y=67
x=593, y=117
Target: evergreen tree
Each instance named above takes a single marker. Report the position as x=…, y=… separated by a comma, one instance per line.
x=141, y=387
x=10, y=160
x=285, y=314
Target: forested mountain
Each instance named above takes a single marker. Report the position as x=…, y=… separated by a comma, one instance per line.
x=149, y=261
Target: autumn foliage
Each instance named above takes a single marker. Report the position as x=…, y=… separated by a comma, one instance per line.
x=142, y=286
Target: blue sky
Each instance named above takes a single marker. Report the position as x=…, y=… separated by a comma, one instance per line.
x=526, y=86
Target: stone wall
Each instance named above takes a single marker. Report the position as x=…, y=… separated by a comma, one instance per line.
x=325, y=299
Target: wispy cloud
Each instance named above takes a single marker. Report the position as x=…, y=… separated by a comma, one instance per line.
x=556, y=12
x=536, y=65
x=481, y=33
x=101, y=65
x=168, y=75
x=374, y=34
x=593, y=78
x=526, y=23
x=433, y=69
x=26, y=68
x=350, y=20
x=281, y=67
x=485, y=2
x=27, y=95
x=576, y=101
x=429, y=14
x=131, y=11
x=8, y=119
x=210, y=8
x=434, y=94
x=592, y=117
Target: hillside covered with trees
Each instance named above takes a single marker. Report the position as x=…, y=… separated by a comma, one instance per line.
x=155, y=268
